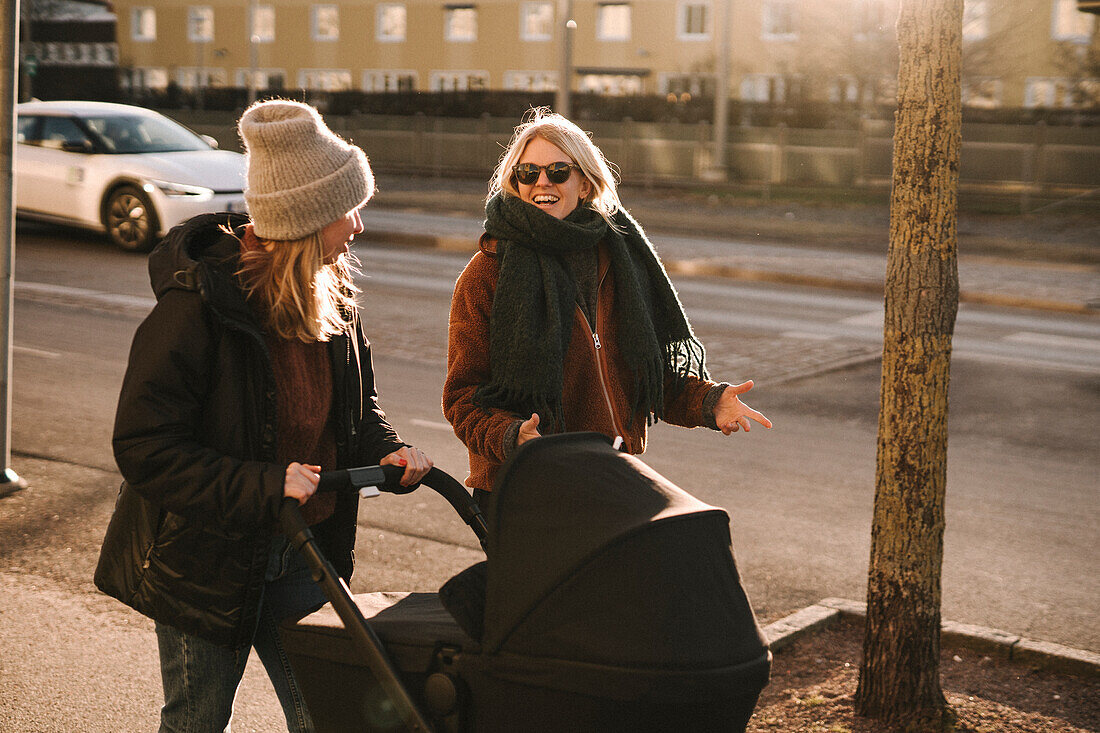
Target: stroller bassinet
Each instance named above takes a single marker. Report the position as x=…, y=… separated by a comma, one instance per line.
x=611, y=603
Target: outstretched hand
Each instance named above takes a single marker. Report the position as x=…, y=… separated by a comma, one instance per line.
x=731, y=414
x=529, y=429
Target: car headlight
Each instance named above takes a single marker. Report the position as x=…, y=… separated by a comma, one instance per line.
x=198, y=193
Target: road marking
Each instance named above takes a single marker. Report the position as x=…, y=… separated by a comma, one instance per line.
x=64, y=295
x=871, y=318
x=806, y=335
x=1054, y=341
x=36, y=352
x=433, y=424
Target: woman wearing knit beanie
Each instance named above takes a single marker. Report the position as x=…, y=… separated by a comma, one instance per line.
x=566, y=319
x=250, y=376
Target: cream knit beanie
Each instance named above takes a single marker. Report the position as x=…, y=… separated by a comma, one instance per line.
x=301, y=176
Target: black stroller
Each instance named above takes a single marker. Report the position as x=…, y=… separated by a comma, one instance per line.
x=609, y=602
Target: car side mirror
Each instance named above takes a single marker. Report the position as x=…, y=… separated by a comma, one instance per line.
x=210, y=141
x=77, y=146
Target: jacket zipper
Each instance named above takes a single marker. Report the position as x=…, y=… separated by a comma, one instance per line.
x=603, y=385
x=600, y=366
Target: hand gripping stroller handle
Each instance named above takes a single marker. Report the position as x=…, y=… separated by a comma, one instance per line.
x=370, y=647
x=387, y=478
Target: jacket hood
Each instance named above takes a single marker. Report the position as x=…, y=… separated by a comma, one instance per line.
x=488, y=245
x=201, y=256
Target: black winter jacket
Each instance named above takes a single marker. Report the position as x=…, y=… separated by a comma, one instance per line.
x=194, y=439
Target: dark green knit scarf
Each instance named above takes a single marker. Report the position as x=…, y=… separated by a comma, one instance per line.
x=532, y=315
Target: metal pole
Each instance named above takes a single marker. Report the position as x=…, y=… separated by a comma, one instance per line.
x=722, y=88
x=253, y=51
x=25, y=90
x=200, y=75
x=565, y=74
x=9, y=65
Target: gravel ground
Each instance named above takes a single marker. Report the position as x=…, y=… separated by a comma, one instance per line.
x=814, y=682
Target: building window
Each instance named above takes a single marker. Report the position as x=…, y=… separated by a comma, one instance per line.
x=86, y=53
x=975, y=20
x=614, y=85
x=1055, y=92
x=1040, y=92
x=458, y=81
x=691, y=85
x=263, y=24
x=148, y=78
x=143, y=24
x=325, y=23
x=613, y=22
x=200, y=24
x=779, y=20
x=531, y=81
x=391, y=23
x=389, y=80
x=536, y=22
x=1086, y=93
x=982, y=92
x=1070, y=24
x=460, y=23
x=190, y=77
x=763, y=88
x=844, y=90
x=694, y=21
x=324, y=80
x=869, y=17
x=271, y=79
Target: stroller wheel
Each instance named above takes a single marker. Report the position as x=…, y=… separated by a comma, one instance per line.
x=441, y=694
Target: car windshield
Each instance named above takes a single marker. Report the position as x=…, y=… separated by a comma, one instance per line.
x=139, y=134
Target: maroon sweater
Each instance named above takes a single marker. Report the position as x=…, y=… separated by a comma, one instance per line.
x=303, y=388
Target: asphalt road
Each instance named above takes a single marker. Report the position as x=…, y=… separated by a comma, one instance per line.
x=1022, y=501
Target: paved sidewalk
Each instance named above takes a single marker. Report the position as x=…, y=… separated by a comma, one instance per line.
x=1050, y=263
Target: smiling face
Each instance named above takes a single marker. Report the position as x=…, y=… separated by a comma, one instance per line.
x=336, y=237
x=556, y=199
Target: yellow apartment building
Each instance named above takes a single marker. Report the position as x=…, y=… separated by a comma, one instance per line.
x=1018, y=53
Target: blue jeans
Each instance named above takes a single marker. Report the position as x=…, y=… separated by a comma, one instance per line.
x=200, y=678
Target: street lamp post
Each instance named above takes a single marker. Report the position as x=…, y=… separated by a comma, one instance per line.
x=719, y=168
x=565, y=74
x=9, y=63
x=200, y=74
x=253, y=51
x=26, y=76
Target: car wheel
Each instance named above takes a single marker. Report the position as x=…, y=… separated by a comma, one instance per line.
x=130, y=219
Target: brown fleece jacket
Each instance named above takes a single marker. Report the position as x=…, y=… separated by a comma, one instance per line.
x=596, y=384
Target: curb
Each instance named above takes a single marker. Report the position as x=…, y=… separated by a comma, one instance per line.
x=705, y=268
x=1056, y=657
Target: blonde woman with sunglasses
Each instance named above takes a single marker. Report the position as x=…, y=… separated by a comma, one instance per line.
x=565, y=320
x=249, y=377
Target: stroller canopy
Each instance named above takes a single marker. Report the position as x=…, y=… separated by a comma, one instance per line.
x=597, y=562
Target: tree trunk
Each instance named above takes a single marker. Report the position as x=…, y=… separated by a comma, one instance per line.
x=899, y=680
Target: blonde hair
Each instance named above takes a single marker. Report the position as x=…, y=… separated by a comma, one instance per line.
x=571, y=140
x=299, y=295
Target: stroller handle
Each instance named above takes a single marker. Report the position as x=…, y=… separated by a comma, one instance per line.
x=387, y=478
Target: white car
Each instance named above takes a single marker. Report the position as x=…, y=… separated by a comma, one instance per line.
x=125, y=170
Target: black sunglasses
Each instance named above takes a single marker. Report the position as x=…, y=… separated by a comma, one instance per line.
x=528, y=173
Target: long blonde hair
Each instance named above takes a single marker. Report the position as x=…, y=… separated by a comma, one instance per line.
x=299, y=295
x=571, y=140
